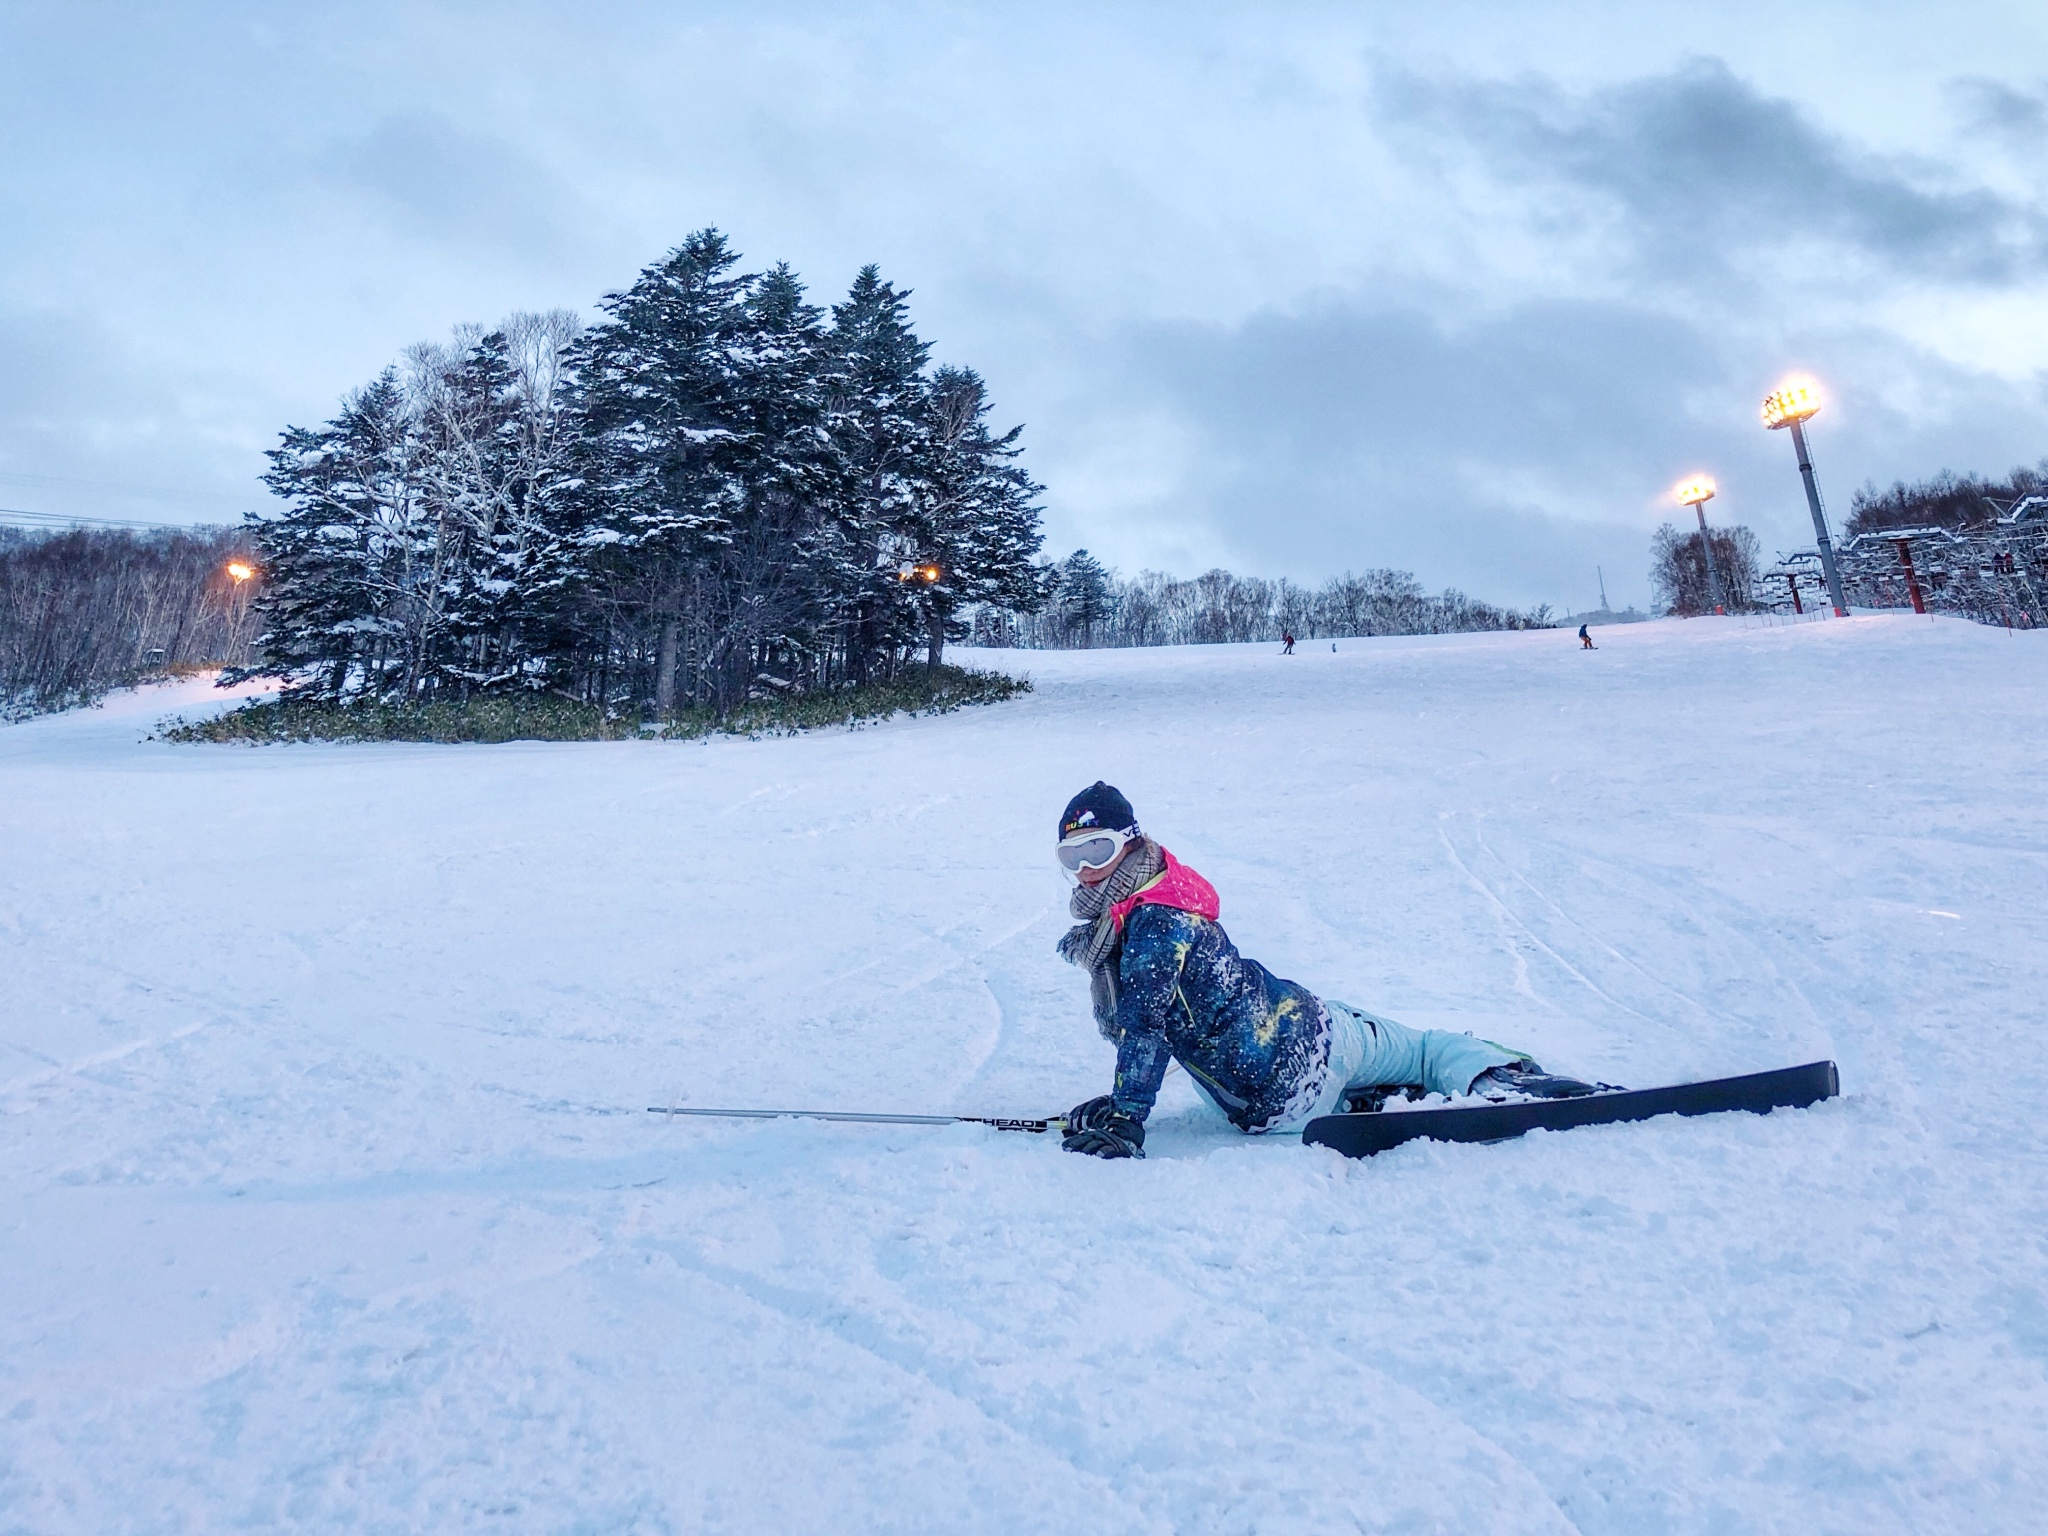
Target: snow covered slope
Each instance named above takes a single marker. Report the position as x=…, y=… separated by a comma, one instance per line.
x=328, y=1200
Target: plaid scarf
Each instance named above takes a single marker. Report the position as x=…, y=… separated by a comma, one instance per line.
x=1095, y=943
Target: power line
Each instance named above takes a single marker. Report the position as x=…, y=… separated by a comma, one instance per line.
x=20, y=518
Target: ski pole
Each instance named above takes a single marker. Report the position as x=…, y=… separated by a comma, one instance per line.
x=1000, y=1122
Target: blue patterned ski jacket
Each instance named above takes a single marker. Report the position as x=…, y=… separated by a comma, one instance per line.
x=1255, y=1042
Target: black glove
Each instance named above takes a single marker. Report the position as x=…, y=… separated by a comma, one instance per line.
x=1527, y=1078
x=1113, y=1133
x=1090, y=1114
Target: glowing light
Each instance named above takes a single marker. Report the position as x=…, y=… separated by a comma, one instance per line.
x=240, y=571
x=1690, y=493
x=929, y=573
x=1794, y=400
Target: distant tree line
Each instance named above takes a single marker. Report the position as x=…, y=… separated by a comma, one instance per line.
x=1088, y=605
x=1946, y=500
x=717, y=492
x=84, y=612
x=1678, y=570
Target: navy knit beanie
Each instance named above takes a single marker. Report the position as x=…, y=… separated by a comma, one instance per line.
x=1099, y=805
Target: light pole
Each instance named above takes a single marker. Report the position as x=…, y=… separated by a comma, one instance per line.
x=1696, y=493
x=1788, y=406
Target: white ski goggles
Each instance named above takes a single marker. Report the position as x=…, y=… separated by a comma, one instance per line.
x=1091, y=849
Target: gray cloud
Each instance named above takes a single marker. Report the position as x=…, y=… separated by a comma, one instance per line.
x=1700, y=168
x=2018, y=118
x=1511, y=453
x=438, y=179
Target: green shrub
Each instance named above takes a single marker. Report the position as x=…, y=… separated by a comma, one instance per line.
x=544, y=717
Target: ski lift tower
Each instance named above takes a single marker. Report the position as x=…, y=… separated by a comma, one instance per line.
x=1696, y=493
x=1788, y=406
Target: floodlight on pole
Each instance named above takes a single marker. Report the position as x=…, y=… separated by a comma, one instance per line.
x=1789, y=405
x=235, y=604
x=1696, y=493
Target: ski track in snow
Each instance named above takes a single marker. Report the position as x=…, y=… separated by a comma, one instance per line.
x=330, y=1201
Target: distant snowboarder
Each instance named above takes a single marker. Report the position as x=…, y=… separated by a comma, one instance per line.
x=1286, y=644
x=1586, y=640
x=1167, y=983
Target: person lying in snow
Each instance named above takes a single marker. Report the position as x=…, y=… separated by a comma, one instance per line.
x=1168, y=984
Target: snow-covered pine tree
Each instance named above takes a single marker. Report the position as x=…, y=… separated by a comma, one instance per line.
x=495, y=445
x=542, y=546
x=461, y=394
x=974, y=517
x=663, y=392
x=423, y=536
x=1084, y=594
x=877, y=420
x=341, y=606
x=773, y=569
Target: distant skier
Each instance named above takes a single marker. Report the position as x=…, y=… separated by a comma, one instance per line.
x=1167, y=983
x=1586, y=640
x=1286, y=644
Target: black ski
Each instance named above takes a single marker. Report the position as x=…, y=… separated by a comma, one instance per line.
x=1362, y=1135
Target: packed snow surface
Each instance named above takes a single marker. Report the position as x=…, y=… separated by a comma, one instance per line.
x=329, y=1201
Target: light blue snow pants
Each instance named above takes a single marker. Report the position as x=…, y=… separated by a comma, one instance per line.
x=1367, y=1051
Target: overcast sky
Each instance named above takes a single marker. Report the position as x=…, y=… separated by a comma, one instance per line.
x=1459, y=288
